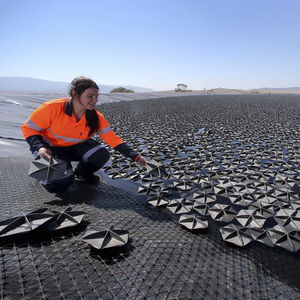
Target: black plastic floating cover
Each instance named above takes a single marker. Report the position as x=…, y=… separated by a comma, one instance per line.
x=285, y=237
x=261, y=235
x=157, y=201
x=47, y=171
x=24, y=222
x=193, y=222
x=103, y=238
x=66, y=218
x=250, y=218
x=236, y=235
x=222, y=212
x=156, y=169
x=180, y=206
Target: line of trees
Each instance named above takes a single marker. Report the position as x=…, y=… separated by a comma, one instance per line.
x=121, y=90
x=181, y=87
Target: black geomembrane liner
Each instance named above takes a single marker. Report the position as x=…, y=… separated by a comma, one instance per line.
x=242, y=152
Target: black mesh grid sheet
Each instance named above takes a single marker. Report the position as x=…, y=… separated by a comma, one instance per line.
x=161, y=260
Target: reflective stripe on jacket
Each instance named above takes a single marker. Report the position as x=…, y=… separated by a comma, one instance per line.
x=55, y=122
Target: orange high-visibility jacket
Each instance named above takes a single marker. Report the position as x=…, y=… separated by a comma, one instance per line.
x=58, y=126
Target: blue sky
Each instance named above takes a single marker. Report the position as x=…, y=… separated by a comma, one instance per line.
x=155, y=44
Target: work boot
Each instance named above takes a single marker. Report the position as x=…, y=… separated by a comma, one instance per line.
x=60, y=185
x=89, y=177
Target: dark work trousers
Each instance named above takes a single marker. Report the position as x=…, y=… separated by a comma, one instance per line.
x=91, y=156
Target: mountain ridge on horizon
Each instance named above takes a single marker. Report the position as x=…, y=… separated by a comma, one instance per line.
x=20, y=83
x=264, y=90
x=287, y=88
x=30, y=84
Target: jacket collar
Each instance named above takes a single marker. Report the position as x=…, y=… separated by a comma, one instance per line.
x=69, y=108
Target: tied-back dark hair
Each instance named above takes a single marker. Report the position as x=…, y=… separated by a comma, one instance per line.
x=79, y=85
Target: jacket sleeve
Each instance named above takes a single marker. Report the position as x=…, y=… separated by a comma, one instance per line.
x=38, y=121
x=36, y=142
x=113, y=140
x=106, y=133
x=127, y=151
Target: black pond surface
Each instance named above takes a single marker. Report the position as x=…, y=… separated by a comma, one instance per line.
x=237, y=151
x=242, y=150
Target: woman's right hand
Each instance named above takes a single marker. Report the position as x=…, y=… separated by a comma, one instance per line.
x=142, y=161
x=45, y=153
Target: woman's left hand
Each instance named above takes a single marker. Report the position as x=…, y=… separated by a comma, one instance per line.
x=142, y=162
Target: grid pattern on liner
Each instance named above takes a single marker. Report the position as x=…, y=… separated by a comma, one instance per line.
x=161, y=260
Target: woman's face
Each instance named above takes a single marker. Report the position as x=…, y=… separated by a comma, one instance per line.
x=88, y=99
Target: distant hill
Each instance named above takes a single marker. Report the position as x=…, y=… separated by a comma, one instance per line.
x=40, y=85
x=289, y=90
